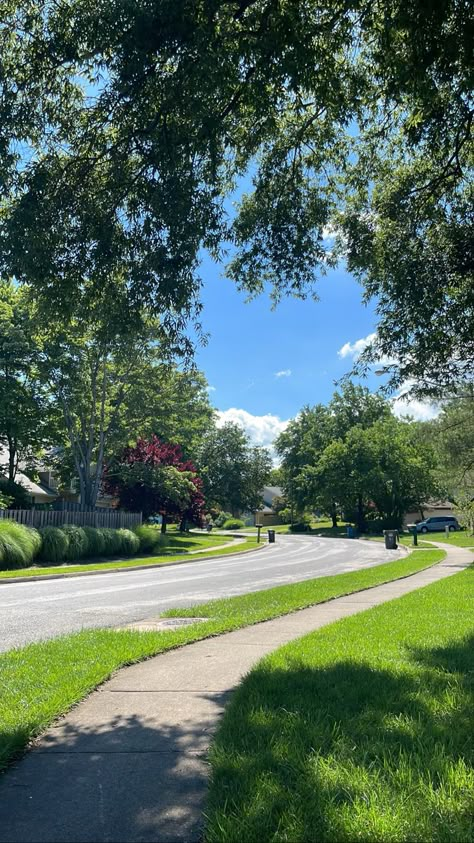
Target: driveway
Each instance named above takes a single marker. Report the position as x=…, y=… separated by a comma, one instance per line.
x=32, y=611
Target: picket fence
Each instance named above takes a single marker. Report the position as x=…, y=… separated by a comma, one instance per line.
x=50, y=518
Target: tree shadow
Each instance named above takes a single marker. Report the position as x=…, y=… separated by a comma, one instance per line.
x=349, y=752
x=140, y=777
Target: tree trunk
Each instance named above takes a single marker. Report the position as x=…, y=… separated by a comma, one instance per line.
x=183, y=525
x=163, y=524
x=334, y=517
x=12, y=459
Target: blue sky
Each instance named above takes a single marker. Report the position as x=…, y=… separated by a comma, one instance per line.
x=263, y=366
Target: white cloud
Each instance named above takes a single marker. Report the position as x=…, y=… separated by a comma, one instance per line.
x=404, y=405
x=261, y=430
x=211, y=388
x=356, y=348
x=283, y=373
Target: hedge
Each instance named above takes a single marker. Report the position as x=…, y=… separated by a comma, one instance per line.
x=20, y=546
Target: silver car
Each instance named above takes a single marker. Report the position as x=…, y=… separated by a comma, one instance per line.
x=438, y=524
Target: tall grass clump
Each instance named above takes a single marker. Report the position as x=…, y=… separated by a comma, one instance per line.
x=129, y=542
x=77, y=541
x=96, y=542
x=54, y=545
x=112, y=541
x=151, y=538
x=19, y=545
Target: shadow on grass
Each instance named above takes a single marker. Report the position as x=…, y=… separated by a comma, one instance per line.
x=130, y=779
x=349, y=752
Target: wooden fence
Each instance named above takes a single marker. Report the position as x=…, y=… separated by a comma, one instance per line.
x=50, y=518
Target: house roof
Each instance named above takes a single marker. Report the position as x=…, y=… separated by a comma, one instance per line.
x=270, y=492
x=36, y=490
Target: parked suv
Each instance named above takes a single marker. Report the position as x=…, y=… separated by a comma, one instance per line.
x=437, y=524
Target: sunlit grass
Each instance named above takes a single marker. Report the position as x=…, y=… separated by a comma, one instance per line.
x=43, y=680
x=360, y=731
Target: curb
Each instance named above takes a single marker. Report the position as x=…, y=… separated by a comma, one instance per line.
x=40, y=578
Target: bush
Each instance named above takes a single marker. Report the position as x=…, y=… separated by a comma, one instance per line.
x=19, y=545
x=129, y=542
x=285, y=516
x=233, y=524
x=377, y=525
x=16, y=496
x=220, y=520
x=149, y=537
x=78, y=545
x=300, y=527
x=112, y=542
x=54, y=545
x=95, y=541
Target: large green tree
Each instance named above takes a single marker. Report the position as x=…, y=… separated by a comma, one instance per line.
x=113, y=386
x=453, y=436
x=233, y=471
x=125, y=126
x=354, y=455
x=312, y=431
x=24, y=428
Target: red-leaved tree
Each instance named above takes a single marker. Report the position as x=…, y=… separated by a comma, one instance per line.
x=152, y=477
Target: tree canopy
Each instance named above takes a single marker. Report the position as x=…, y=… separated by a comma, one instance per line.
x=152, y=477
x=353, y=456
x=233, y=471
x=126, y=125
x=24, y=428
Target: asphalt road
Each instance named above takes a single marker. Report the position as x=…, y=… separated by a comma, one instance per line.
x=32, y=611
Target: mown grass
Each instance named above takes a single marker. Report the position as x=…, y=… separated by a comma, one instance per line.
x=262, y=605
x=41, y=681
x=405, y=539
x=161, y=559
x=323, y=528
x=462, y=538
x=360, y=731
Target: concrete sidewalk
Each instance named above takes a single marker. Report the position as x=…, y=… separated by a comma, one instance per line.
x=129, y=763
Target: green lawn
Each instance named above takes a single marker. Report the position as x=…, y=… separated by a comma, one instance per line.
x=360, y=731
x=186, y=545
x=323, y=528
x=406, y=539
x=460, y=539
x=41, y=681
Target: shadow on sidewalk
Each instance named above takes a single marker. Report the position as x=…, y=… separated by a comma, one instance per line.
x=130, y=780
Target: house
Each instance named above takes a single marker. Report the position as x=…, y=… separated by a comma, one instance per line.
x=40, y=493
x=266, y=516
x=47, y=490
x=428, y=510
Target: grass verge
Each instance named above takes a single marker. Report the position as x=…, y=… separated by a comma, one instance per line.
x=117, y=564
x=458, y=539
x=36, y=687
x=264, y=605
x=323, y=528
x=360, y=731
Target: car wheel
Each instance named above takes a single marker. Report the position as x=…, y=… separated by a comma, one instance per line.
x=424, y=529
x=452, y=529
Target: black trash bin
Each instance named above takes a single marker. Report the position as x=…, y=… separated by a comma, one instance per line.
x=271, y=536
x=390, y=539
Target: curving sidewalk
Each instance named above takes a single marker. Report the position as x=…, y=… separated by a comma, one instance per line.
x=129, y=763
